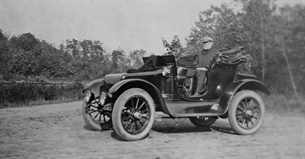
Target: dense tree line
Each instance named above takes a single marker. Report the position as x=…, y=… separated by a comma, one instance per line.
x=274, y=40
x=24, y=57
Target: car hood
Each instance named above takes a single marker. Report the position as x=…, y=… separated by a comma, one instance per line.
x=113, y=78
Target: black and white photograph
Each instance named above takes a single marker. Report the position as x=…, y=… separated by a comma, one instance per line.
x=152, y=79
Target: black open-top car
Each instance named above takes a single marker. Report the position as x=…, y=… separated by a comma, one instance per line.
x=128, y=101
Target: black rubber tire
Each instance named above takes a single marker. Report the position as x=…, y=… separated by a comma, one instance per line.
x=236, y=105
x=93, y=124
x=120, y=104
x=205, y=122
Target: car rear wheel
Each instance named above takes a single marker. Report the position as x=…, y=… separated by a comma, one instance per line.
x=133, y=114
x=203, y=121
x=96, y=118
x=246, y=112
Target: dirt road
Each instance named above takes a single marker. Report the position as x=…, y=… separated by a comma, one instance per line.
x=58, y=131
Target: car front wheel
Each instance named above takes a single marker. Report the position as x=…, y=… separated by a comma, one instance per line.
x=246, y=112
x=95, y=117
x=133, y=114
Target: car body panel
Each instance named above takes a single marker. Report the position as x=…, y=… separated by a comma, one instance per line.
x=240, y=76
x=123, y=85
x=220, y=77
x=94, y=86
x=249, y=84
x=113, y=78
x=186, y=108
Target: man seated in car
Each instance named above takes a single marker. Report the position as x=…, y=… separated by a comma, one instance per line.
x=201, y=62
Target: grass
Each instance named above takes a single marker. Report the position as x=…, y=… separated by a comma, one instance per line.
x=285, y=103
x=36, y=102
x=28, y=94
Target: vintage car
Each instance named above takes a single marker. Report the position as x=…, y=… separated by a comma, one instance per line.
x=128, y=101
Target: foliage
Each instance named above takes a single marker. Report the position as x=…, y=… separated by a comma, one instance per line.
x=119, y=61
x=257, y=27
x=87, y=49
x=26, y=58
x=15, y=94
x=136, y=58
x=290, y=44
x=247, y=28
x=3, y=56
x=174, y=48
x=24, y=42
x=284, y=103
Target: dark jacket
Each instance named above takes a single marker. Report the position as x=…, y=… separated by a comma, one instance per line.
x=186, y=61
x=204, y=57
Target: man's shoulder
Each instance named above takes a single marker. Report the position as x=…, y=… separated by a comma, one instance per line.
x=216, y=51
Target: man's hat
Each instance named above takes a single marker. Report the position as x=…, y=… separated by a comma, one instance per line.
x=207, y=39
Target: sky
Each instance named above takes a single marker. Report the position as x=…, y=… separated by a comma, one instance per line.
x=125, y=24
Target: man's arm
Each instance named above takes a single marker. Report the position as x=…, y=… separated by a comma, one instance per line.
x=195, y=62
x=216, y=52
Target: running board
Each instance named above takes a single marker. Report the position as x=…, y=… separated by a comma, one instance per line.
x=192, y=109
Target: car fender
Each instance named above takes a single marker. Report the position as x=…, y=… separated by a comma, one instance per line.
x=247, y=84
x=140, y=83
x=94, y=86
x=119, y=84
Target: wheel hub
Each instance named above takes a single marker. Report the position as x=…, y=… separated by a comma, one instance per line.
x=249, y=113
x=137, y=115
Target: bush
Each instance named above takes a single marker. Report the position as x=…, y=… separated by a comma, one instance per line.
x=20, y=94
x=284, y=103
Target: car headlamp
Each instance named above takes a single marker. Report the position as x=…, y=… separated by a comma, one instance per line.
x=103, y=97
x=88, y=96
